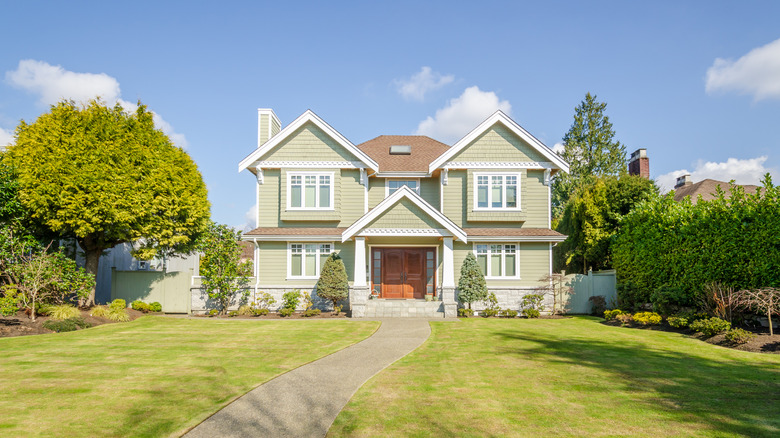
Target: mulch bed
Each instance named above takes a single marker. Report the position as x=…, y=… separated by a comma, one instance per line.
x=762, y=343
x=21, y=325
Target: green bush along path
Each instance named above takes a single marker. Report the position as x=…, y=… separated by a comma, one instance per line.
x=155, y=376
x=566, y=377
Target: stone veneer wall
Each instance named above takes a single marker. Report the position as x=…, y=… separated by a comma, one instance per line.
x=202, y=304
x=510, y=297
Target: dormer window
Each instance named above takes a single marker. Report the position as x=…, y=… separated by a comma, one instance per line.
x=393, y=185
x=310, y=191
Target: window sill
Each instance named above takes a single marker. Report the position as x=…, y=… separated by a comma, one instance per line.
x=302, y=278
x=502, y=278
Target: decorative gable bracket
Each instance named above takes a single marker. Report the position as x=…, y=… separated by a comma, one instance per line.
x=547, y=173
x=444, y=176
x=363, y=177
x=260, y=178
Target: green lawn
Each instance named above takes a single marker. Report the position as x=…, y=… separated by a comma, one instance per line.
x=566, y=377
x=155, y=376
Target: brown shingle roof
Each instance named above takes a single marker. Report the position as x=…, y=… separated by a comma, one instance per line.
x=543, y=232
x=308, y=231
x=707, y=189
x=424, y=151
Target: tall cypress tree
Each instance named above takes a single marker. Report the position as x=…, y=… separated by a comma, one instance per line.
x=590, y=149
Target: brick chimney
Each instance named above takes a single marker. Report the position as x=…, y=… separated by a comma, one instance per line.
x=684, y=180
x=639, y=164
x=268, y=125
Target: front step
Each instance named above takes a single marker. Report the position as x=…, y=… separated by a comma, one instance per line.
x=383, y=308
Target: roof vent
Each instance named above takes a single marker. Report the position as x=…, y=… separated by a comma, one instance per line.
x=400, y=150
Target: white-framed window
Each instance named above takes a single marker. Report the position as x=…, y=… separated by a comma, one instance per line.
x=497, y=191
x=498, y=260
x=305, y=260
x=310, y=190
x=392, y=185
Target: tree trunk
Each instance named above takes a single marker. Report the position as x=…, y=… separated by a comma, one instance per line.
x=91, y=266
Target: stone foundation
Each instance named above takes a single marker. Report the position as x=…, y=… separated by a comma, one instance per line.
x=510, y=298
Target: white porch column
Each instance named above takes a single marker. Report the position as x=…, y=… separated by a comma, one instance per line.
x=360, y=262
x=448, y=264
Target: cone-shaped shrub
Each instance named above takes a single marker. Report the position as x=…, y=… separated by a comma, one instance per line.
x=333, y=284
x=471, y=284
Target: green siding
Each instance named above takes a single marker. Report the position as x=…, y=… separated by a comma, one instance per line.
x=536, y=203
x=498, y=144
x=454, y=193
x=273, y=263
x=309, y=215
x=507, y=218
x=263, y=127
x=404, y=214
x=351, y=202
x=429, y=190
x=309, y=143
x=275, y=127
x=268, y=199
x=376, y=191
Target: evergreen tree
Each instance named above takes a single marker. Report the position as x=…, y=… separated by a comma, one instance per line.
x=223, y=273
x=590, y=150
x=471, y=284
x=333, y=284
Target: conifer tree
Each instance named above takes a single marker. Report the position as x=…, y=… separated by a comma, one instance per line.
x=471, y=284
x=333, y=284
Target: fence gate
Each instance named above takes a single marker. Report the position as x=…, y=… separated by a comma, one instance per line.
x=594, y=283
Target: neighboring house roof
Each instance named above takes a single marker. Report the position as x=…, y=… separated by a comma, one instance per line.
x=708, y=190
x=423, y=151
x=500, y=117
x=404, y=193
x=517, y=234
x=307, y=117
x=247, y=250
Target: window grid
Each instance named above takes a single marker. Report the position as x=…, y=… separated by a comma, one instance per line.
x=307, y=259
x=497, y=191
x=394, y=184
x=310, y=191
x=498, y=260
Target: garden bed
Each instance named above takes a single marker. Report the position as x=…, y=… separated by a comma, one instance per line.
x=274, y=315
x=21, y=325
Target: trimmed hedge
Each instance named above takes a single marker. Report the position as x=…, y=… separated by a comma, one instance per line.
x=663, y=243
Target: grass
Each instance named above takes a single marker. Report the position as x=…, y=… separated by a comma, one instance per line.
x=155, y=376
x=566, y=377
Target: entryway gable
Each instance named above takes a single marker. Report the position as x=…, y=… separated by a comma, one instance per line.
x=404, y=210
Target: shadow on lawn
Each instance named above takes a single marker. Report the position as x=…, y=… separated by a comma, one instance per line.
x=731, y=396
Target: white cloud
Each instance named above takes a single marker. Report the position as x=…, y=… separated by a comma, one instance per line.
x=6, y=137
x=756, y=74
x=747, y=171
x=53, y=83
x=558, y=148
x=250, y=218
x=422, y=82
x=462, y=114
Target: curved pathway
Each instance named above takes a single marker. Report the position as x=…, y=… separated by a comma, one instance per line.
x=305, y=401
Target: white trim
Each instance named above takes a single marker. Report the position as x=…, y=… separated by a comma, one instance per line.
x=310, y=164
x=442, y=183
x=549, y=207
x=365, y=183
x=290, y=238
x=476, y=176
x=403, y=192
x=551, y=262
x=403, y=175
x=304, y=118
x=500, y=117
x=404, y=232
x=530, y=165
x=503, y=257
x=387, y=184
x=303, y=176
x=517, y=239
x=317, y=257
x=448, y=263
x=359, y=279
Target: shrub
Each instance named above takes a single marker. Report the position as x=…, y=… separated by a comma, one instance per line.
x=264, y=300
x=531, y=313
x=677, y=321
x=532, y=301
x=66, y=325
x=333, y=284
x=100, y=312
x=286, y=311
x=739, y=336
x=232, y=313
x=509, y=313
x=290, y=300
x=213, y=312
x=140, y=306
x=667, y=300
x=487, y=313
x=244, y=310
x=631, y=297
x=260, y=312
x=9, y=303
x=44, y=309
x=465, y=312
x=118, y=315
x=598, y=304
x=63, y=312
x=118, y=304
x=155, y=307
x=471, y=284
x=311, y=312
x=710, y=326
x=337, y=309
x=609, y=315
x=625, y=318
x=647, y=318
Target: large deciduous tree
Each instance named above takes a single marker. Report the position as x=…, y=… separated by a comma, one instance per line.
x=590, y=149
x=106, y=176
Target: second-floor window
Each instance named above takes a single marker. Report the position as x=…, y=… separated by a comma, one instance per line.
x=394, y=184
x=308, y=190
x=497, y=191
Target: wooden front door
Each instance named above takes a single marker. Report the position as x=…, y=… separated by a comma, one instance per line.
x=401, y=272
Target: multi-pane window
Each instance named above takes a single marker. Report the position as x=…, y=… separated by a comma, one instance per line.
x=395, y=184
x=498, y=260
x=497, y=191
x=307, y=259
x=311, y=190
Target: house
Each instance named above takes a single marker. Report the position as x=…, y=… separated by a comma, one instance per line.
x=402, y=212
x=707, y=189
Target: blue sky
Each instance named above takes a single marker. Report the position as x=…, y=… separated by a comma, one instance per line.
x=697, y=83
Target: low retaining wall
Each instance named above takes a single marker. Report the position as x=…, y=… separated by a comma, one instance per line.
x=201, y=303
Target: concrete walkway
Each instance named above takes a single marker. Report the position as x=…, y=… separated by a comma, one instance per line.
x=305, y=401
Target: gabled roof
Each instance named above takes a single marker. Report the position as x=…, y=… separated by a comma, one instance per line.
x=708, y=190
x=424, y=151
x=304, y=118
x=404, y=193
x=500, y=117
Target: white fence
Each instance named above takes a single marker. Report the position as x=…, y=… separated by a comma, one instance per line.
x=585, y=286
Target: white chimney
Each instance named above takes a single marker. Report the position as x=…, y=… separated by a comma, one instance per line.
x=268, y=125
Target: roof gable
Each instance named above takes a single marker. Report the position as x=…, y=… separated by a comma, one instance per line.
x=513, y=128
x=292, y=128
x=414, y=200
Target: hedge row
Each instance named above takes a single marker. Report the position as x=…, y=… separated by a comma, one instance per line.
x=735, y=241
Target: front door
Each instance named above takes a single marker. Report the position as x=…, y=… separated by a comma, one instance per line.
x=402, y=272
